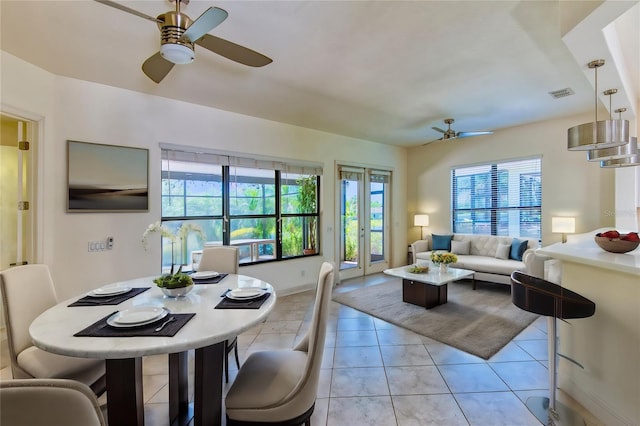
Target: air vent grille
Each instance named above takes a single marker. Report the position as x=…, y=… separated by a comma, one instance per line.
x=557, y=94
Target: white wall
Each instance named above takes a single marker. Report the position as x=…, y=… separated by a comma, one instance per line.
x=90, y=112
x=571, y=186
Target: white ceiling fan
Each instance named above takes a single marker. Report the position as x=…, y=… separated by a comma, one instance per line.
x=451, y=134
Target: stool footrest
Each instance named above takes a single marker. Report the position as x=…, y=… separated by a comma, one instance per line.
x=571, y=360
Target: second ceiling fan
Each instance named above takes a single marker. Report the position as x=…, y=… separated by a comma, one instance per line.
x=451, y=134
x=179, y=34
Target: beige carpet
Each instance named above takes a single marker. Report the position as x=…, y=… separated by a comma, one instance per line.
x=479, y=322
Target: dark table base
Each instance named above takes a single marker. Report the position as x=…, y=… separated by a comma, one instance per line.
x=423, y=294
x=125, y=403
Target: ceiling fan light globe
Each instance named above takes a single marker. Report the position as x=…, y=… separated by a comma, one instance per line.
x=177, y=53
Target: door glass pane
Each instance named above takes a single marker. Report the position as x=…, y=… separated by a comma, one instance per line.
x=376, y=221
x=349, y=224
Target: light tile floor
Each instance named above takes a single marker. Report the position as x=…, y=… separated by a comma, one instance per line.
x=375, y=373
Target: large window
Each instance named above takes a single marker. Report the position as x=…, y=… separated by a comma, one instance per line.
x=268, y=209
x=497, y=198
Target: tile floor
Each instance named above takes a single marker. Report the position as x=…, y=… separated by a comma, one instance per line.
x=375, y=373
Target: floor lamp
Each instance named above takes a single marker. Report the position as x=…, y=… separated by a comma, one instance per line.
x=421, y=220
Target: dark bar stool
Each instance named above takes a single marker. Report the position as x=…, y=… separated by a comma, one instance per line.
x=553, y=301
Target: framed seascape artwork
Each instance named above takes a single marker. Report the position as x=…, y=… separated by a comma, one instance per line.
x=107, y=178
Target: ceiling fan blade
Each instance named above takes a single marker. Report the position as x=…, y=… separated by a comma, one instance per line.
x=469, y=134
x=435, y=140
x=128, y=10
x=156, y=67
x=439, y=130
x=233, y=51
x=210, y=19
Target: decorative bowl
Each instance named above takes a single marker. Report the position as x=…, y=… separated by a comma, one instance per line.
x=616, y=245
x=176, y=292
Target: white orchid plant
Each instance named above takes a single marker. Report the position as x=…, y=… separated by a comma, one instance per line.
x=180, y=236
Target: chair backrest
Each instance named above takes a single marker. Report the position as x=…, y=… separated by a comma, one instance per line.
x=223, y=259
x=27, y=291
x=313, y=342
x=44, y=402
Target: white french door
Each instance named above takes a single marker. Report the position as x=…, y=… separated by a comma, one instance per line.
x=364, y=220
x=15, y=185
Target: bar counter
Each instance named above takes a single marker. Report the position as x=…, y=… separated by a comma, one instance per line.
x=607, y=344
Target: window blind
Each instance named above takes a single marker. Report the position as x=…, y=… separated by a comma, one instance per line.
x=502, y=198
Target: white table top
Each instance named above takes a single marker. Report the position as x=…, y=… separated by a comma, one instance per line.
x=53, y=330
x=433, y=277
x=583, y=249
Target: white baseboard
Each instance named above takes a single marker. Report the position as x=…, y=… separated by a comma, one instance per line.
x=595, y=405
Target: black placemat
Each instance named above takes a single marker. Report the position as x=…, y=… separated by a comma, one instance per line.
x=214, y=280
x=100, y=328
x=227, y=303
x=113, y=300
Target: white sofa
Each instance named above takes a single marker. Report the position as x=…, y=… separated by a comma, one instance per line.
x=481, y=258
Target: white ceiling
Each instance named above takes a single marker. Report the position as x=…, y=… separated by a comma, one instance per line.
x=384, y=71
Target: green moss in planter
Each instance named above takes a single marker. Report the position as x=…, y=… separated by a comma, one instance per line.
x=176, y=280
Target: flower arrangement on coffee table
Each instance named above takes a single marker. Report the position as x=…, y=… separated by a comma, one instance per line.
x=443, y=257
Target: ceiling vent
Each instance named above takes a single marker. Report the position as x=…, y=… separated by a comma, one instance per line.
x=557, y=94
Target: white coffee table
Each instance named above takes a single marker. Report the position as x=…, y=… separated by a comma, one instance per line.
x=427, y=289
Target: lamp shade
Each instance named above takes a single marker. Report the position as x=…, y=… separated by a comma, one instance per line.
x=421, y=220
x=616, y=153
x=629, y=161
x=565, y=225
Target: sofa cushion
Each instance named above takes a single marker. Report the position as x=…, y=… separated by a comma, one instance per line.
x=517, y=248
x=460, y=247
x=441, y=242
x=503, y=251
x=489, y=265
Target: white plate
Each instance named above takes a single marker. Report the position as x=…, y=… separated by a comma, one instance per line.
x=110, y=290
x=245, y=293
x=203, y=275
x=137, y=316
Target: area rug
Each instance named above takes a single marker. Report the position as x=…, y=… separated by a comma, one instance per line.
x=479, y=322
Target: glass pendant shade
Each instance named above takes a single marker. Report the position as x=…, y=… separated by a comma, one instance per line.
x=630, y=161
x=598, y=135
x=618, y=152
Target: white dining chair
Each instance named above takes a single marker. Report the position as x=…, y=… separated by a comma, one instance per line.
x=279, y=387
x=225, y=260
x=46, y=402
x=27, y=291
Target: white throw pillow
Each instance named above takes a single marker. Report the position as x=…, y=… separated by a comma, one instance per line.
x=461, y=247
x=503, y=250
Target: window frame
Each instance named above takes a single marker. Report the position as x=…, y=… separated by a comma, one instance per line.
x=227, y=218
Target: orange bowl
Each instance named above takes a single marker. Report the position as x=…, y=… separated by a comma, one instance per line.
x=616, y=245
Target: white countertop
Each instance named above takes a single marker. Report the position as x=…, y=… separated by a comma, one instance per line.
x=583, y=249
x=53, y=330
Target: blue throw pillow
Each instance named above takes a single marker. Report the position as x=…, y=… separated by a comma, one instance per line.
x=518, y=247
x=441, y=242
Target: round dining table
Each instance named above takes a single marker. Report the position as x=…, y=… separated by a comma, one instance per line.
x=54, y=331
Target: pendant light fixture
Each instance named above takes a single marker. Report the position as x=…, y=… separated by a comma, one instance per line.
x=598, y=134
x=615, y=153
x=630, y=161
